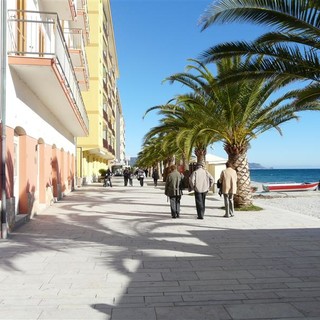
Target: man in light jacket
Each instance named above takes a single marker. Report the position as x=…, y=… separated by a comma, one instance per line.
x=200, y=181
x=228, y=179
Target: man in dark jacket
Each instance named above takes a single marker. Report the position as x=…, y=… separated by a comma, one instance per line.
x=155, y=176
x=126, y=175
x=173, y=190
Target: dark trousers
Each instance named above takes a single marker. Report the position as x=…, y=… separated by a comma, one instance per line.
x=175, y=206
x=200, y=198
x=107, y=182
x=155, y=182
x=126, y=181
x=141, y=182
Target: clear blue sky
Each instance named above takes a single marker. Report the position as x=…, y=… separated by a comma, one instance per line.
x=154, y=39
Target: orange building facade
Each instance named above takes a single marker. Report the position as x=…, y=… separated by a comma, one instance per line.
x=43, y=111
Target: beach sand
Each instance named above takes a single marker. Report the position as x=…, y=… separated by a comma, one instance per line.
x=304, y=202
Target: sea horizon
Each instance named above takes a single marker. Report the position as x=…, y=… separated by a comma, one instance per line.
x=286, y=168
x=285, y=175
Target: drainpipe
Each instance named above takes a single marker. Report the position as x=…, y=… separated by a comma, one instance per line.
x=3, y=65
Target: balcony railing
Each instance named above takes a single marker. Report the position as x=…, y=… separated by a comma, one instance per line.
x=82, y=20
x=75, y=41
x=39, y=34
x=105, y=115
x=66, y=9
x=105, y=144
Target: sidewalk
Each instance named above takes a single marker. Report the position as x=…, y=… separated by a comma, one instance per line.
x=115, y=253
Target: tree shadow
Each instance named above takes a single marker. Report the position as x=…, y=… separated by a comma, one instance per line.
x=163, y=264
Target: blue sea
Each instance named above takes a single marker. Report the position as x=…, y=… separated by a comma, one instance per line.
x=285, y=175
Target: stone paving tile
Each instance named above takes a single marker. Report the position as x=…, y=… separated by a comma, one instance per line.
x=18, y=314
x=222, y=287
x=179, y=276
x=137, y=284
x=261, y=295
x=314, y=253
x=12, y=302
x=140, y=276
x=308, y=308
x=75, y=314
x=208, y=296
x=161, y=299
x=304, y=272
x=211, y=282
x=192, y=313
x=242, y=274
x=134, y=314
x=28, y=293
x=145, y=290
x=299, y=293
x=167, y=264
x=267, y=273
x=263, y=311
x=80, y=302
x=270, y=280
x=273, y=285
x=305, y=284
x=209, y=263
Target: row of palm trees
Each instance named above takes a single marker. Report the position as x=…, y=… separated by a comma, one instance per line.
x=237, y=102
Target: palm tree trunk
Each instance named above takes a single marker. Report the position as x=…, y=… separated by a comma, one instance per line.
x=200, y=153
x=243, y=198
x=169, y=161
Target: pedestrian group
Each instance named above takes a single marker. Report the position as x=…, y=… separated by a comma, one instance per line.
x=200, y=181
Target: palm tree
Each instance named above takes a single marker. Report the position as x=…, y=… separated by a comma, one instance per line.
x=151, y=153
x=235, y=113
x=182, y=127
x=289, y=52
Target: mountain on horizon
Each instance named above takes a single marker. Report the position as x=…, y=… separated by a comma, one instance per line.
x=254, y=165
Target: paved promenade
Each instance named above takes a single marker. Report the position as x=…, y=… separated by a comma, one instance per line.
x=115, y=253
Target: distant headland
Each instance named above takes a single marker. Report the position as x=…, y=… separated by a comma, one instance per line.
x=254, y=165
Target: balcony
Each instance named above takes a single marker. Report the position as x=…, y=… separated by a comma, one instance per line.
x=102, y=150
x=66, y=9
x=82, y=21
x=76, y=45
x=38, y=54
x=105, y=115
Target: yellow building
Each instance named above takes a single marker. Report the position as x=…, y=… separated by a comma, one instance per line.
x=97, y=150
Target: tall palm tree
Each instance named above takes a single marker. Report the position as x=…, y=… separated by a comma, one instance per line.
x=235, y=113
x=289, y=50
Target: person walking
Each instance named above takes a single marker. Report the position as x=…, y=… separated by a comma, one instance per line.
x=131, y=176
x=126, y=174
x=140, y=176
x=155, y=176
x=200, y=181
x=228, y=180
x=173, y=190
x=107, y=179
